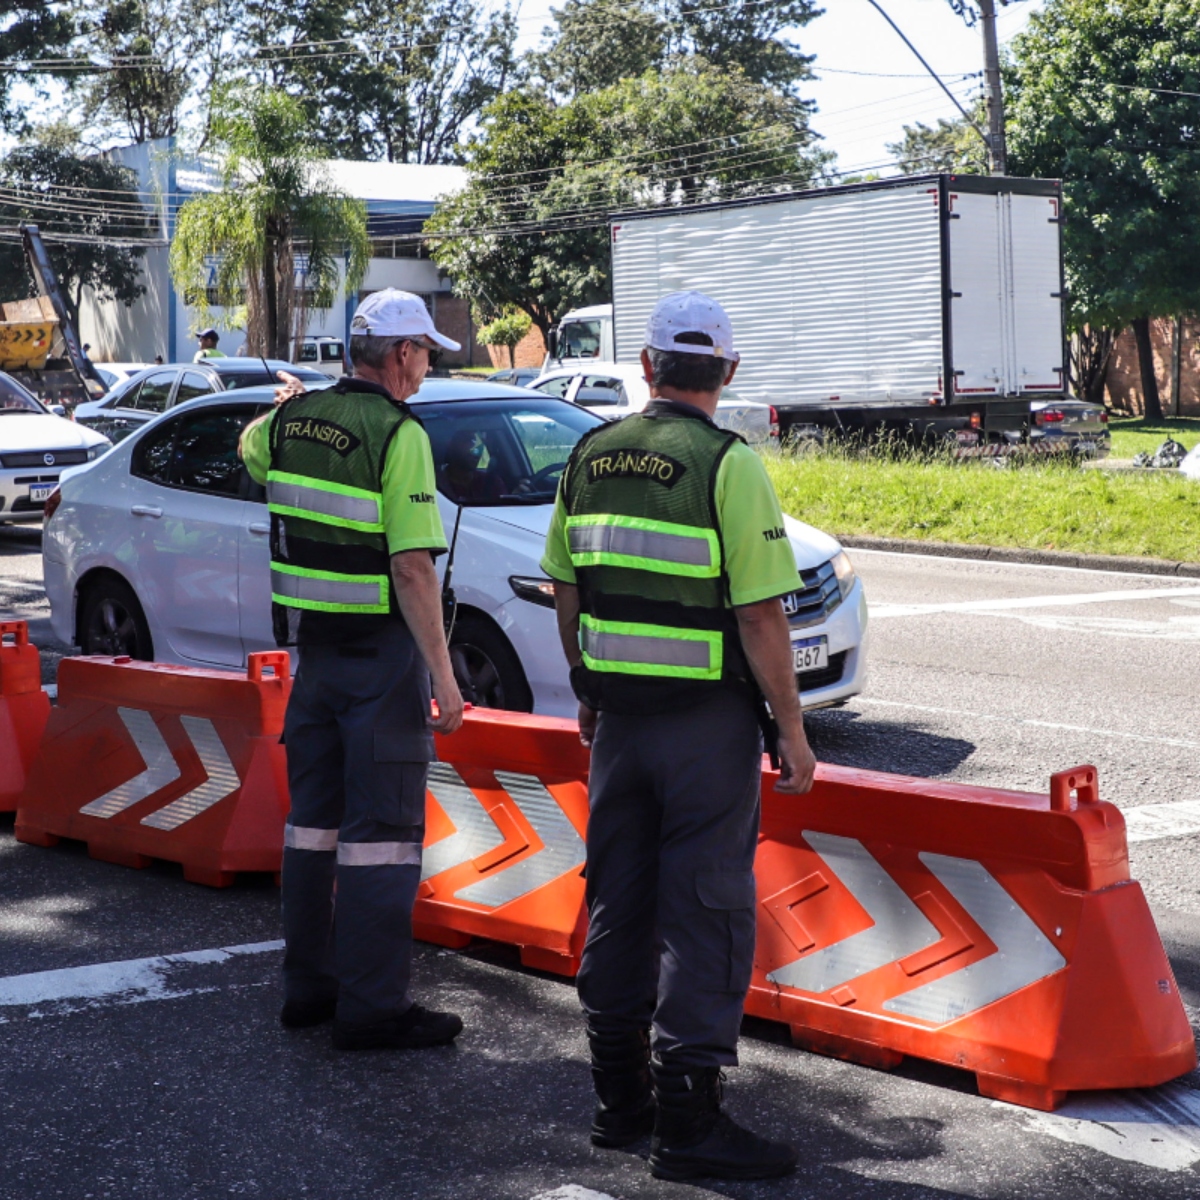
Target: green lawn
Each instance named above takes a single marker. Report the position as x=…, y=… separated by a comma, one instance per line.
x=1045, y=506
x=1131, y=436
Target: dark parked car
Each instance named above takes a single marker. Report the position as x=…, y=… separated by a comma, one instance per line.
x=152, y=391
x=516, y=376
x=1070, y=426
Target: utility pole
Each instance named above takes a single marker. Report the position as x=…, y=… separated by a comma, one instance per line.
x=997, y=152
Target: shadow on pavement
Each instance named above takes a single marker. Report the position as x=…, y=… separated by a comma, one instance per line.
x=844, y=737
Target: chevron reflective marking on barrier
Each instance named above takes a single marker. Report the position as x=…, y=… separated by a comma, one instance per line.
x=162, y=770
x=899, y=927
x=478, y=834
x=1023, y=952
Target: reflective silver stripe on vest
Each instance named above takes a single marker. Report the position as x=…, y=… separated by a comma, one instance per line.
x=640, y=543
x=379, y=854
x=322, y=503
x=301, y=837
x=656, y=651
x=324, y=591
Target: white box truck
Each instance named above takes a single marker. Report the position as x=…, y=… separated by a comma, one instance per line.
x=930, y=302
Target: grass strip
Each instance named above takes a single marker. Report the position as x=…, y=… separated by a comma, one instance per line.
x=1044, y=506
x=1131, y=436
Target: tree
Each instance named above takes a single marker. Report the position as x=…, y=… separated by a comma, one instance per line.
x=277, y=217
x=1102, y=93
x=506, y=330
x=951, y=146
x=530, y=230
x=31, y=32
x=381, y=79
x=595, y=43
x=93, y=204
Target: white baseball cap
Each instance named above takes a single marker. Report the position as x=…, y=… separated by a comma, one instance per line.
x=393, y=313
x=690, y=312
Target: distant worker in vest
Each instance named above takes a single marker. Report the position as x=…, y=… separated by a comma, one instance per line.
x=670, y=559
x=208, y=346
x=354, y=532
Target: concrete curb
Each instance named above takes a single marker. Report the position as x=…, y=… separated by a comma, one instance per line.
x=1044, y=558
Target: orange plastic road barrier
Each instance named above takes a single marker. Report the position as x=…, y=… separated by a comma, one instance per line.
x=145, y=760
x=24, y=708
x=994, y=931
x=506, y=815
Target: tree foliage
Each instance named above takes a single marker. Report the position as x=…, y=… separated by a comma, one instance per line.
x=31, y=32
x=88, y=199
x=1098, y=96
x=531, y=228
x=383, y=79
x=951, y=146
x=277, y=217
x=506, y=330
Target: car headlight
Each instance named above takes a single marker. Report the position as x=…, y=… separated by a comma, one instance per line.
x=94, y=452
x=844, y=572
x=536, y=591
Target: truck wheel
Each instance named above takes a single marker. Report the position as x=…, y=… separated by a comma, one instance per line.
x=487, y=668
x=111, y=621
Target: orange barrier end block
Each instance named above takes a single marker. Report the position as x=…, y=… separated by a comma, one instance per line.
x=147, y=760
x=24, y=710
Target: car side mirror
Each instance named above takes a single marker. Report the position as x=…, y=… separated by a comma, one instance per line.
x=552, y=342
x=58, y=410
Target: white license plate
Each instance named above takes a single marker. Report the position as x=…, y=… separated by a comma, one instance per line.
x=810, y=654
x=39, y=493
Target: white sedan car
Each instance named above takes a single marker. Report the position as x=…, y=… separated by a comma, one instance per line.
x=35, y=445
x=160, y=549
x=614, y=390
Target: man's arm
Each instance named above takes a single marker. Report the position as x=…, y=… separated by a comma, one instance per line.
x=767, y=643
x=420, y=598
x=566, y=607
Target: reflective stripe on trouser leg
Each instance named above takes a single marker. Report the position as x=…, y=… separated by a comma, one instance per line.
x=379, y=854
x=298, y=837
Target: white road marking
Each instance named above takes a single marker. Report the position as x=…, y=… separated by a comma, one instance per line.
x=573, y=1191
x=1174, y=629
x=988, y=607
x=1150, y=821
x=978, y=716
x=1004, y=565
x=1158, y=1127
x=130, y=982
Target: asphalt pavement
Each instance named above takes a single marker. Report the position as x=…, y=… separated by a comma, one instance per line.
x=142, y=1054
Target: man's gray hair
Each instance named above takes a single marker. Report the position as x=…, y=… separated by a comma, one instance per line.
x=366, y=350
x=687, y=372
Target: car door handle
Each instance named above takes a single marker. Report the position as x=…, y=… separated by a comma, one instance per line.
x=259, y=527
x=145, y=510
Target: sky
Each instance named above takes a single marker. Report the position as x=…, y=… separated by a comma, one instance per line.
x=858, y=114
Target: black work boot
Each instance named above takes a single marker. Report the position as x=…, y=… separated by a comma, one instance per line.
x=694, y=1139
x=621, y=1073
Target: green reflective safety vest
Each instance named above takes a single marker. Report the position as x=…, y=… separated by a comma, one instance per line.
x=329, y=552
x=655, y=625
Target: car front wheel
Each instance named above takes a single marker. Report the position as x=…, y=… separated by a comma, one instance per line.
x=112, y=622
x=486, y=667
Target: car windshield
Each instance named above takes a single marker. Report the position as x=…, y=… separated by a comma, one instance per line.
x=15, y=399
x=496, y=452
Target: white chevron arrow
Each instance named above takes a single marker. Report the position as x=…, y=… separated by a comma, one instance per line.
x=899, y=928
x=221, y=777
x=1023, y=952
x=161, y=767
x=476, y=833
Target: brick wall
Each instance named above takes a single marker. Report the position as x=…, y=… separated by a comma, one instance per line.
x=1123, y=383
x=452, y=316
x=530, y=351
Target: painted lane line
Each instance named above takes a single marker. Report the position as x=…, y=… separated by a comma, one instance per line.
x=898, y=928
x=1158, y=1127
x=130, y=982
x=978, y=716
x=573, y=1191
x=1150, y=821
x=1023, y=952
x=987, y=607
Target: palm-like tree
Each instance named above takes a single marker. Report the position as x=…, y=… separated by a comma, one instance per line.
x=276, y=203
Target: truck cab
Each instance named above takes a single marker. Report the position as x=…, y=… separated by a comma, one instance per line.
x=584, y=335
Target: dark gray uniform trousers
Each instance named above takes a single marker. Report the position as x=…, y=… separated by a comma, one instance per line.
x=672, y=832
x=358, y=749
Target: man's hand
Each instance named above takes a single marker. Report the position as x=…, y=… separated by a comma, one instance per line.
x=450, y=706
x=292, y=387
x=796, y=764
x=587, y=725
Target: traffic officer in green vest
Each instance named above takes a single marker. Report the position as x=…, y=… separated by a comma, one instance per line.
x=208, y=339
x=670, y=560
x=354, y=532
